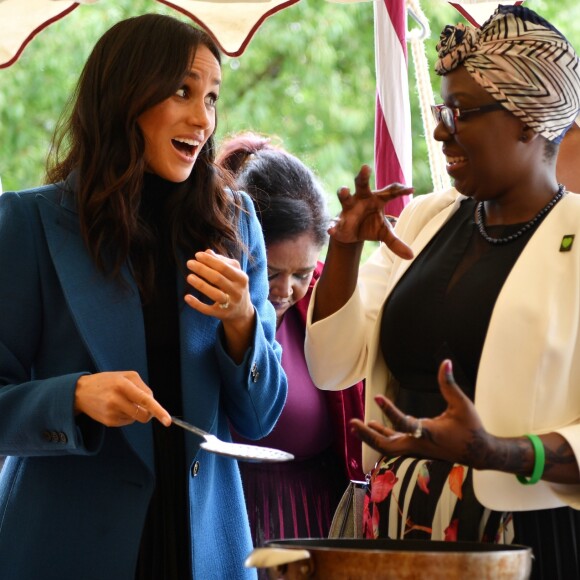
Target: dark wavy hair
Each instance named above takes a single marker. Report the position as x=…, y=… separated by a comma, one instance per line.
x=288, y=197
x=135, y=65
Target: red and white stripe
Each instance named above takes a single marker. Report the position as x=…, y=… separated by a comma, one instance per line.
x=393, y=143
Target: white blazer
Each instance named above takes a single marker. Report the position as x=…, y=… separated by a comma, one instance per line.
x=529, y=373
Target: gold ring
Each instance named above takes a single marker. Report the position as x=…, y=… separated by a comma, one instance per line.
x=226, y=303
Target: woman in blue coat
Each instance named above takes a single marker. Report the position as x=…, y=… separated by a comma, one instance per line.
x=132, y=288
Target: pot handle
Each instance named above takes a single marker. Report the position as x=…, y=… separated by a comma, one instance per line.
x=273, y=557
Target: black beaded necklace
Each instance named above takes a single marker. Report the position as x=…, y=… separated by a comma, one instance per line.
x=529, y=225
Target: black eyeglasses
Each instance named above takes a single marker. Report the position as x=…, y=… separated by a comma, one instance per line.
x=449, y=115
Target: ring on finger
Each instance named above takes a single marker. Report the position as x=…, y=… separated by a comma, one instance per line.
x=226, y=303
x=417, y=433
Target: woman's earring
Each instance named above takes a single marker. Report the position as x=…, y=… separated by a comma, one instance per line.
x=525, y=136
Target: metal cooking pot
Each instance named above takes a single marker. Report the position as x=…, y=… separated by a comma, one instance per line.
x=346, y=559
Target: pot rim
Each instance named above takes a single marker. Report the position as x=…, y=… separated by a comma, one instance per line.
x=394, y=545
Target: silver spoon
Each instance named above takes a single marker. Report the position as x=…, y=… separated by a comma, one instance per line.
x=235, y=450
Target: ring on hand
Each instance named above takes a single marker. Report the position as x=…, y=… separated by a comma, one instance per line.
x=417, y=433
x=226, y=303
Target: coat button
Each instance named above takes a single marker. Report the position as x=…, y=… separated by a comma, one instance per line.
x=62, y=437
x=46, y=435
x=195, y=469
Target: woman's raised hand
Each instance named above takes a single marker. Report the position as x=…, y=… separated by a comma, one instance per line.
x=226, y=285
x=457, y=435
x=363, y=214
x=118, y=398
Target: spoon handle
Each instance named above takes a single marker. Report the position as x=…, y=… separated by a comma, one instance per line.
x=189, y=427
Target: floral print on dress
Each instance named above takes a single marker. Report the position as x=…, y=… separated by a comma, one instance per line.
x=423, y=478
x=410, y=498
x=456, y=477
x=382, y=486
x=451, y=531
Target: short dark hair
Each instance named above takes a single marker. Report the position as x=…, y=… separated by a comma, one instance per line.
x=288, y=197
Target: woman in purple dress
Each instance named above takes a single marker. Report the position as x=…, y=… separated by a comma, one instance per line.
x=297, y=499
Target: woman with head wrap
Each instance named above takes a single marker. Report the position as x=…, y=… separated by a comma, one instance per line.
x=466, y=322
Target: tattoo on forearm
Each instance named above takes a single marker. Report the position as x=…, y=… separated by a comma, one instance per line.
x=513, y=455
x=563, y=455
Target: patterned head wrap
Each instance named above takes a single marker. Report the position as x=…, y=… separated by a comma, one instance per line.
x=523, y=62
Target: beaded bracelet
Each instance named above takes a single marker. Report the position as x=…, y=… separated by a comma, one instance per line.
x=539, y=462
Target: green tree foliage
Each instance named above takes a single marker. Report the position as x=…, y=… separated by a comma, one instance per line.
x=307, y=77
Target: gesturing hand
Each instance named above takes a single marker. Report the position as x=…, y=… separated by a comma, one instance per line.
x=223, y=281
x=457, y=435
x=118, y=398
x=363, y=214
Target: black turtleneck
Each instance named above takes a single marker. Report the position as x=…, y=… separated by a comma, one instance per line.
x=164, y=552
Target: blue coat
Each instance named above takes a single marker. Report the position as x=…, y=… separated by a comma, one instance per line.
x=74, y=493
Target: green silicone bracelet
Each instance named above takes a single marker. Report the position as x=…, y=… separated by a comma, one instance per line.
x=539, y=462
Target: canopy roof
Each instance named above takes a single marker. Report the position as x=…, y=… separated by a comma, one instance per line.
x=231, y=23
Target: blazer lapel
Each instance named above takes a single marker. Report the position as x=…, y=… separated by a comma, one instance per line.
x=109, y=317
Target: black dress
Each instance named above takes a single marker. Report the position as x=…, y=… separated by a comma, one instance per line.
x=165, y=543
x=441, y=309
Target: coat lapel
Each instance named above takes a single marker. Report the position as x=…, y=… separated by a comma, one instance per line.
x=108, y=317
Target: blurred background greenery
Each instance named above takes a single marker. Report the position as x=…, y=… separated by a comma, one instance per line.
x=307, y=76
